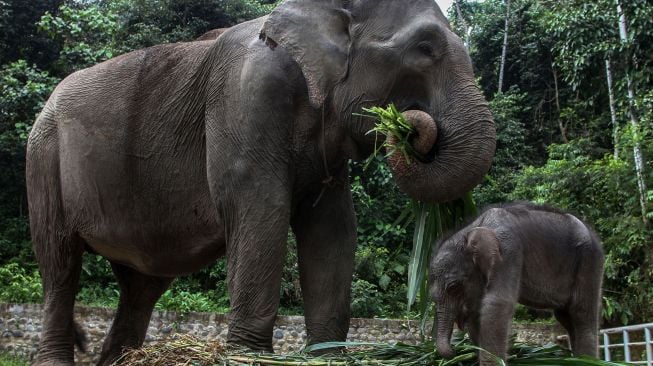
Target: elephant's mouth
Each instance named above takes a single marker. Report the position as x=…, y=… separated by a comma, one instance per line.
x=405, y=106
x=461, y=320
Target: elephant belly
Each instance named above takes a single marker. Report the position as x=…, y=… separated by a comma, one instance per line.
x=160, y=255
x=155, y=215
x=167, y=232
x=545, y=296
x=160, y=236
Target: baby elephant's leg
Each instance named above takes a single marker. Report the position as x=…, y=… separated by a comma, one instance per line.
x=496, y=316
x=585, y=307
x=585, y=338
x=562, y=315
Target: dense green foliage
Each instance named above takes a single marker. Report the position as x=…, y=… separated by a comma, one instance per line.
x=8, y=360
x=556, y=142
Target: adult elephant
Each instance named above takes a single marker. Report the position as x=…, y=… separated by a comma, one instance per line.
x=164, y=159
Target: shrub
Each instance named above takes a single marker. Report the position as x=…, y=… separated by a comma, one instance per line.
x=185, y=302
x=20, y=285
x=366, y=299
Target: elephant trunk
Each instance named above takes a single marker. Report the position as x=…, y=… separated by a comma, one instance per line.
x=445, y=320
x=458, y=145
x=423, y=141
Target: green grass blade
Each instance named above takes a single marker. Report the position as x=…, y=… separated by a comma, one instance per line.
x=404, y=217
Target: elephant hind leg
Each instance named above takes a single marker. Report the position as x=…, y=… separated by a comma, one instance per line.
x=584, y=318
x=585, y=338
x=60, y=270
x=565, y=320
x=58, y=249
x=80, y=337
x=138, y=295
x=584, y=310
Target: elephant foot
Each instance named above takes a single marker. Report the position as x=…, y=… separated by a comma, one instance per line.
x=250, y=336
x=249, y=347
x=328, y=351
x=53, y=363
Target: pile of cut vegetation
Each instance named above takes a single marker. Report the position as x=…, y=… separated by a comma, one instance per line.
x=188, y=350
x=184, y=350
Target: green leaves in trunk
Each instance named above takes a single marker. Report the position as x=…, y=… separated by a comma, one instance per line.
x=391, y=123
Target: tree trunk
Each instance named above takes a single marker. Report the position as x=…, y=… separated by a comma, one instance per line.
x=613, y=111
x=468, y=42
x=634, y=120
x=563, y=127
x=504, y=50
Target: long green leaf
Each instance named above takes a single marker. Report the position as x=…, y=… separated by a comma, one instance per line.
x=431, y=221
x=415, y=267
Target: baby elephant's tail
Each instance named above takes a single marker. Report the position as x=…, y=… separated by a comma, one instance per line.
x=80, y=338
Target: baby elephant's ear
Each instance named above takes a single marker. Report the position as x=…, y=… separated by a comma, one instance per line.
x=482, y=243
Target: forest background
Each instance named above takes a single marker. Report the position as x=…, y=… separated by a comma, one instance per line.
x=569, y=82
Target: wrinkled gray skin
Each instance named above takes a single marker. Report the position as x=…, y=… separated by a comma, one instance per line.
x=521, y=253
x=164, y=159
x=212, y=34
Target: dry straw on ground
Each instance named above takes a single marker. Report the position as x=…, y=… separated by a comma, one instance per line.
x=188, y=350
x=185, y=350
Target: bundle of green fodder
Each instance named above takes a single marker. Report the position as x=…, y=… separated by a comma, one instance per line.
x=188, y=350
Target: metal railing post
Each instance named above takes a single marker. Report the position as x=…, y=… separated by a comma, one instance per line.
x=641, y=348
x=606, y=347
x=649, y=346
x=626, y=345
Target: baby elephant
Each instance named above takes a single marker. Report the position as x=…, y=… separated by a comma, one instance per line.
x=520, y=253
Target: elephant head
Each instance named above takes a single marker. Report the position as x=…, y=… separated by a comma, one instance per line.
x=361, y=53
x=460, y=272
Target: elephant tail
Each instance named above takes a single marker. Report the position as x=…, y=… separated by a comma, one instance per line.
x=81, y=341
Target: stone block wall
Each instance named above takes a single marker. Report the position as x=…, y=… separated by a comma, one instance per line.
x=20, y=326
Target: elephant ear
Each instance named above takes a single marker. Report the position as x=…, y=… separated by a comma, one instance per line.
x=483, y=245
x=316, y=35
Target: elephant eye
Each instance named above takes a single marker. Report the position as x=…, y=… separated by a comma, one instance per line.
x=455, y=289
x=426, y=48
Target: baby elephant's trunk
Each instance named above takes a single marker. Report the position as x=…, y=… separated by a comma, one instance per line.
x=445, y=328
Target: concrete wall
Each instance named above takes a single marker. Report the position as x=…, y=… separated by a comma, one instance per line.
x=20, y=325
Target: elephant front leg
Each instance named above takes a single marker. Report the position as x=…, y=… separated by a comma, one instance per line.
x=257, y=232
x=473, y=328
x=495, y=319
x=326, y=242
